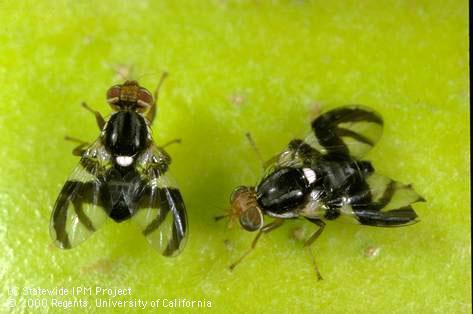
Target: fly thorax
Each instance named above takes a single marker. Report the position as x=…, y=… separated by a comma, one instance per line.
x=285, y=190
x=125, y=135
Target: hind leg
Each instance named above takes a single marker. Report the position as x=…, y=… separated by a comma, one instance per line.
x=311, y=240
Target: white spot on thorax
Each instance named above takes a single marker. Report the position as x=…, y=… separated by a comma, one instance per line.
x=309, y=175
x=124, y=161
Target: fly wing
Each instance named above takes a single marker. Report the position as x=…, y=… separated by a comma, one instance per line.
x=78, y=211
x=350, y=130
x=380, y=201
x=161, y=213
x=341, y=133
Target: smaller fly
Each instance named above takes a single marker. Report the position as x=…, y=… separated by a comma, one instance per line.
x=323, y=178
x=123, y=175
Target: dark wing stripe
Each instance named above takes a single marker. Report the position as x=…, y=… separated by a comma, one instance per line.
x=377, y=205
x=165, y=200
x=72, y=197
x=76, y=212
x=359, y=195
x=179, y=227
x=60, y=213
x=329, y=132
x=301, y=147
x=391, y=208
x=86, y=191
x=396, y=217
x=349, y=133
x=420, y=197
x=154, y=198
x=160, y=211
x=354, y=114
x=59, y=221
x=173, y=244
x=324, y=132
x=341, y=133
x=156, y=223
x=83, y=218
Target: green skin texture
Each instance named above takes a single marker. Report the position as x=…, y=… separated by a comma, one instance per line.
x=237, y=67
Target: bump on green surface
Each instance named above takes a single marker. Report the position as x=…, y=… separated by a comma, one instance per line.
x=239, y=66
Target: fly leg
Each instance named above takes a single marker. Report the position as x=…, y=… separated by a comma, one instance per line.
x=174, y=141
x=164, y=156
x=152, y=111
x=311, y=240
x=98, y=117
x=80, y=149
x=164, y=159
x=265, y=229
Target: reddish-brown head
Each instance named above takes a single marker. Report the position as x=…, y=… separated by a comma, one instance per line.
x=129, y=95
x=243, y=206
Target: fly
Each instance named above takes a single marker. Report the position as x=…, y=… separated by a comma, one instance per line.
x=323, y=178
x=122, y=176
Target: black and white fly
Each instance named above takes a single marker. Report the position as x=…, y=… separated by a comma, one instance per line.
x=122, y=175
x=324, y=178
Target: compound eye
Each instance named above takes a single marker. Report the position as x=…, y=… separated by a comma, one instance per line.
x=251, y=219
x=113, y=94
x=237, y=192
x=144, y=98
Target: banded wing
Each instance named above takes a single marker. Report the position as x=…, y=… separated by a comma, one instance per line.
x=78, y=211
x=345, y=131
x=349, y=130
x=379, y=201
x=161, y=213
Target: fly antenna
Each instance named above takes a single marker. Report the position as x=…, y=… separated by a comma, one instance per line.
x=164, y=75
x=255, y=148
x=154, y=73
x=217, y=218
x=123, y=72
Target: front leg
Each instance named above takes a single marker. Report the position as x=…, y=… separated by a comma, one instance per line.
x=152, y=111
x=265, y=229
x=98, y=117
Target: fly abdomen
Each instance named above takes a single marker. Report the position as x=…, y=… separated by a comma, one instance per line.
x=120, y=211
x=339, y=175
x=120, y=193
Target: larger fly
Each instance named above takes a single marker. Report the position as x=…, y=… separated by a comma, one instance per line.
x=324, y=178
x=123, y=175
